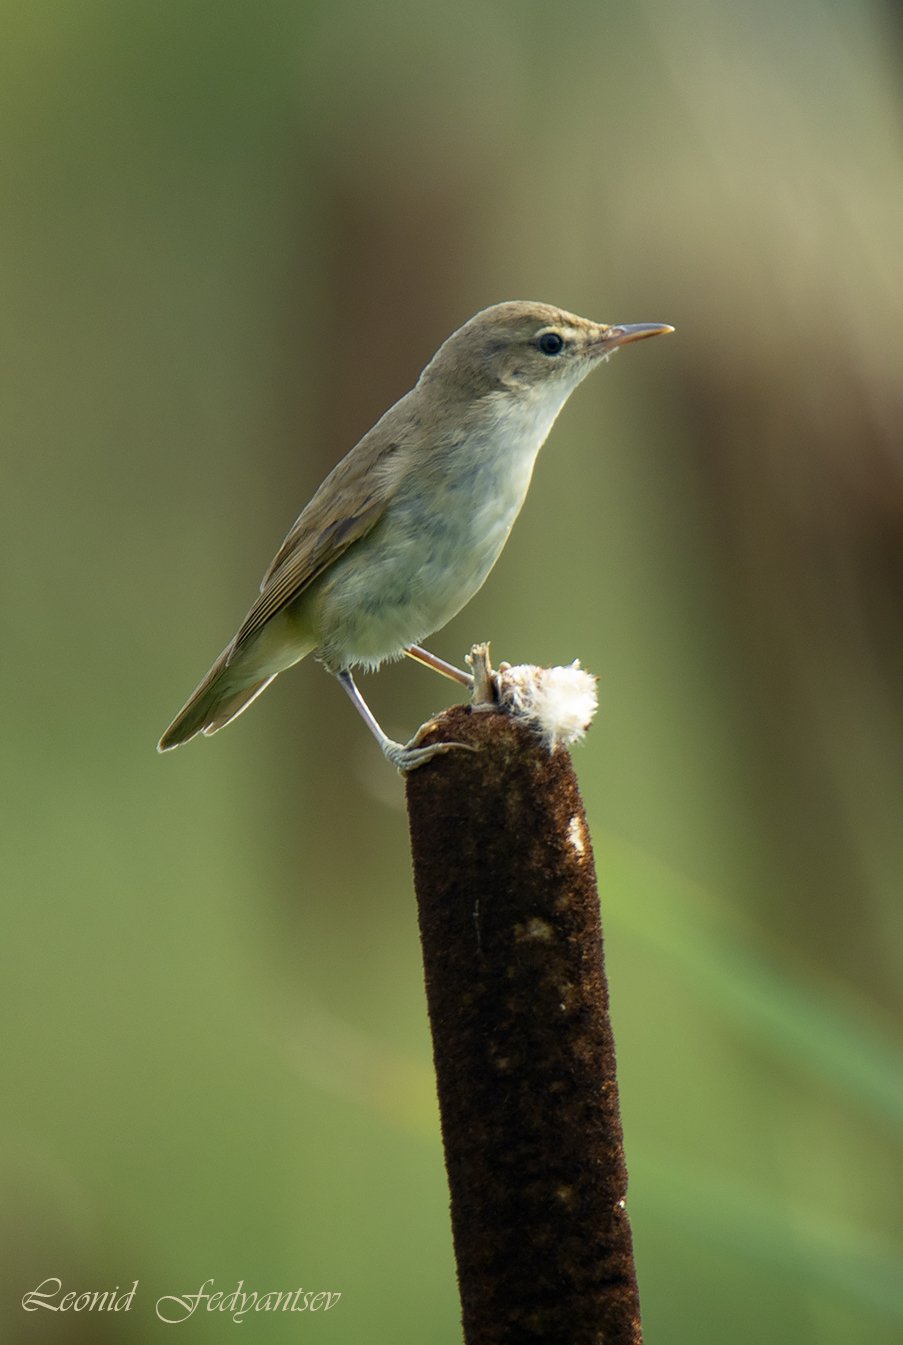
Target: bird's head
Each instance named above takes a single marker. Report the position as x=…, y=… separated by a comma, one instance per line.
x=527, y=347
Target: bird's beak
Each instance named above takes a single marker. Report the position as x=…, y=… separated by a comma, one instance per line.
x=612, y=337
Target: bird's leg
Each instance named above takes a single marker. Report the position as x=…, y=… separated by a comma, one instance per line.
x=406, y=758
x=420, y=655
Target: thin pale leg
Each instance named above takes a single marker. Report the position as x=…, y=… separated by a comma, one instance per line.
x=420, y=655
x=406, y=758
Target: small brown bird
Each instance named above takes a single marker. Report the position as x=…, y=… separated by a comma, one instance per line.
x=404, y=531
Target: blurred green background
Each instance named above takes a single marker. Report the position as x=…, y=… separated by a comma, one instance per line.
x=230, y=236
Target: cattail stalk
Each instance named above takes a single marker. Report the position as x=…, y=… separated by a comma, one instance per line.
x=524, y=1055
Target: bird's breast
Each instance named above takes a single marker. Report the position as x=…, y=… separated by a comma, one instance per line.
x=442, y=531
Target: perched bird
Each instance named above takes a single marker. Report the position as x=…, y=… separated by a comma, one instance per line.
x=404, y=531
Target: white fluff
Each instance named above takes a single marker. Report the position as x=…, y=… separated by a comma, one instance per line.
x=558, y=702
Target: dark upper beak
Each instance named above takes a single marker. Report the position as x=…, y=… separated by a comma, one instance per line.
x=622, y=334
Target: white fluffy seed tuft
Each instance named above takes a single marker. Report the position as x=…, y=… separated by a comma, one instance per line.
x=558, y=702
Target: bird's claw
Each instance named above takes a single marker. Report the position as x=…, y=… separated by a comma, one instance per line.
x=409, y=756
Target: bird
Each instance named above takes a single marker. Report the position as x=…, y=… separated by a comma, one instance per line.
x=406, y=528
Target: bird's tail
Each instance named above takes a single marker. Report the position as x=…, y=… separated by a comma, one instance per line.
x=214, y=704
x=238, y=676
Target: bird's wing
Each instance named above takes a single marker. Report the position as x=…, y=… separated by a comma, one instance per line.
x=332, y=521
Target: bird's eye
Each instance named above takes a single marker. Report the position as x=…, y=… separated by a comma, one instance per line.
x=550, y=343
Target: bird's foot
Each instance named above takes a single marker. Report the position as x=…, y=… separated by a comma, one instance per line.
x=409, y=756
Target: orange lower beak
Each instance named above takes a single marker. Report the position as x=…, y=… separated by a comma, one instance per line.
x=622, y=334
